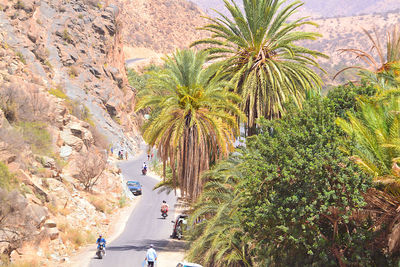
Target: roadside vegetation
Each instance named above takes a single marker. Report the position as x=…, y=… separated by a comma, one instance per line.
x=316, y=182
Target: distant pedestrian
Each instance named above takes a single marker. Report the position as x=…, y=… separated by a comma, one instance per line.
x=126, y=155
x=148, y=156
x=151, y=256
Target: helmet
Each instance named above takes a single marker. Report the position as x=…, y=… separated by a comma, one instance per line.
x=100, y=235
x=164, y=201
x=151, y=246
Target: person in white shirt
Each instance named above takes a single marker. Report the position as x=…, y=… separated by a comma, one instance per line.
x=151, y=256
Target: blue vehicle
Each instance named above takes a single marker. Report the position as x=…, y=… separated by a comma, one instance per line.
x=135, y=187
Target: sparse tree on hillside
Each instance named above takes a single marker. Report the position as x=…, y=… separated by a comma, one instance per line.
x=91, y=166
x=261, y=57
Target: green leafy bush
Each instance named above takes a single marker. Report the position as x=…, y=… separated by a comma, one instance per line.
x=302, y=193
x=344, y=97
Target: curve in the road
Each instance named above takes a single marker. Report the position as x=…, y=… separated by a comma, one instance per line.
x=145, y=225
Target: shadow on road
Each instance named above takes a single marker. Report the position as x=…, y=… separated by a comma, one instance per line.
x=159, y=245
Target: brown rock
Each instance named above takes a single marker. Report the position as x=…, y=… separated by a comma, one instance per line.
x=71, y=140
x=50, y=224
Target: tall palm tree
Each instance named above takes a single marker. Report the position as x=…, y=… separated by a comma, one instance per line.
x=219, y=239
x=260, y=55
x=381, y=64
x=193, y=121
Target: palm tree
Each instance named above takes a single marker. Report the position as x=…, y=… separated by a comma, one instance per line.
x=219, y=239
x=193, y=121
x=375, y=131
x=383, y=68
x=260, y=55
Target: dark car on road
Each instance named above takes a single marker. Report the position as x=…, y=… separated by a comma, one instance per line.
x=135, y=187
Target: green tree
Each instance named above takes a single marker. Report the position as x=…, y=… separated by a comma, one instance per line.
x=345, y=97
x=302, y=194
x=193, y=121
x=261, y=55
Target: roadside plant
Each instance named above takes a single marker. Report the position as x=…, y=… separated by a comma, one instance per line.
x=193, y=120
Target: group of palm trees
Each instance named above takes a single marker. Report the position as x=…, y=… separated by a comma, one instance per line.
x=250, y=66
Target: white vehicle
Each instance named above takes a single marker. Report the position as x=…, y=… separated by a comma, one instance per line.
x=188, y=264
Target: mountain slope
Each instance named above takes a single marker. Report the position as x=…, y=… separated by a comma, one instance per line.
x=161, y=25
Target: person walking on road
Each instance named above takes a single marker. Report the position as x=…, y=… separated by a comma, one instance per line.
x=151, y=256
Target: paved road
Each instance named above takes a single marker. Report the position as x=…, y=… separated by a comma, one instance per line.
x=145, y=225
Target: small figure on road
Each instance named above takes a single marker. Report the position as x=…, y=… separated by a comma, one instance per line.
x=151, y=256
x=148, y=156
x=144, y=167
x=101, y=242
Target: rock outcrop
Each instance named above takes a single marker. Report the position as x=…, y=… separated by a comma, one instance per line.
x=63, y=95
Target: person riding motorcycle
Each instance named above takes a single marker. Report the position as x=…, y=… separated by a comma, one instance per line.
x=144, y=167
x=101, y=242
x=164, y=207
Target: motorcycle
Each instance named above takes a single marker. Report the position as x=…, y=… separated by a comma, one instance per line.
x=100, y=251
x=164, y=213
x=144, y=171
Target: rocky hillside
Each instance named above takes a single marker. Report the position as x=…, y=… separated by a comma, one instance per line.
x=64, y=101
x=161, y=25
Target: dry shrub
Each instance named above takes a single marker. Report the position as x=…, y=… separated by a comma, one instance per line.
x=16, y=226
x=26, y=104
x=91, y=165
x=99, y=203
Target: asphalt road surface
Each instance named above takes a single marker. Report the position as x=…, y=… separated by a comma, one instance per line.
x=145, y=225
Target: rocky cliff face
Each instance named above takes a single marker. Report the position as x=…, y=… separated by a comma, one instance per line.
x=64, y=99
x=76, y=45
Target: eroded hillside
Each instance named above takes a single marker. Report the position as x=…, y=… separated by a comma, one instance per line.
x=64, y=101
x=161, y=25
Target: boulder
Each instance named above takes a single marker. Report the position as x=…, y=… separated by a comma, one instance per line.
x=50, y=224
x=6, y=156
x=37, y=213
x=112, y=105
x=26, y=179
x=98, y=26
x=65, y=151
x=117, y=76
x=71, y=140
x=52, y=233
x=48, y=162
x=76, y=129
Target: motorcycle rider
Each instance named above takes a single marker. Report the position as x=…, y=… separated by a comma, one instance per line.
x=144, y=166
x=164, y=207
x=151, y=256
x=101, y=242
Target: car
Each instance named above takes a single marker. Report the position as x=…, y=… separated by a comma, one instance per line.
x=179, y=225
x=135, y=187
x=188, y=264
